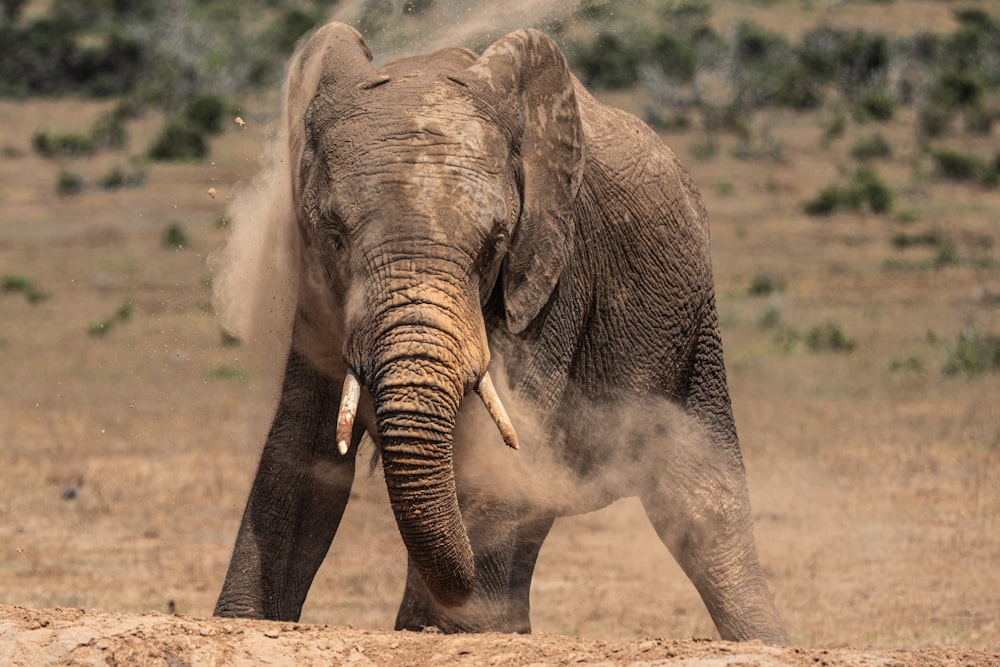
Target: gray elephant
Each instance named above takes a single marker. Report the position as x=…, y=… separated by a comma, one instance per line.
x=464, y=218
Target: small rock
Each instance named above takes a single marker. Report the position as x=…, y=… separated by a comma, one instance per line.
x=272, y=634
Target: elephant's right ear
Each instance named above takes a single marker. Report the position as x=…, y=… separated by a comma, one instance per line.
x=525, y=78
x=336, y=60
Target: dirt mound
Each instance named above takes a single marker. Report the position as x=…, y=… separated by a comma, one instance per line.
x=81, y=637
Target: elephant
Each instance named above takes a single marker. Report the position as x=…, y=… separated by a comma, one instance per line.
x=471, y=223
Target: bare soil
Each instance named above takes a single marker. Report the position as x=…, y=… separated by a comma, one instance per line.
x=125, y=458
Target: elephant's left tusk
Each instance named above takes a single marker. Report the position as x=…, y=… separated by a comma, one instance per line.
x=348, y=410
x=491, y=400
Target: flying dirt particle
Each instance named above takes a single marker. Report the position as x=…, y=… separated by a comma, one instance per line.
x=212, y=192
x=242, y=123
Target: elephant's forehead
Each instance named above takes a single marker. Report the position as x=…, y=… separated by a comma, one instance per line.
x=430, y=132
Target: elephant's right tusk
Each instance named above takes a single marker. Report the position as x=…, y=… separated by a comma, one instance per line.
x=491, y=400
x=348, y=410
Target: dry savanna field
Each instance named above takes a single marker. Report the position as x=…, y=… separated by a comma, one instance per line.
x=130, y=427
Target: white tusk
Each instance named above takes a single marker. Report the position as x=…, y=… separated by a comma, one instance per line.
x=491, y=400
x=348, y=410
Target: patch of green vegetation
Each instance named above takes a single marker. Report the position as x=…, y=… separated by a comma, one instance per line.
x=174, y=236
x=764, y=284
x=872, y=147
x=229, y=340
x=228, y=372
x=864, y=191
x=820, y=338
x=118, y=178
x=16, y=283
x=954, y=165
x=122, y=314
x=933, y=238
x=69, y=183
x=829, y=337
x=771, y=318
x=179, y=141
x=62, y=145
x=878, y=105
x=972, y=353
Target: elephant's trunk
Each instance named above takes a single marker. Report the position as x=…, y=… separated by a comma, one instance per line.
x=416, y=422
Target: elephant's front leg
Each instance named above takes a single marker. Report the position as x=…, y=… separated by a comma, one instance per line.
x=506, y=549
x=296, y=503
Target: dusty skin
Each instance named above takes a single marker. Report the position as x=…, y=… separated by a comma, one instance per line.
x=125, y=458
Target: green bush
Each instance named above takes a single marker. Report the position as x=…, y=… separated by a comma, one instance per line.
x=877, y=105
x=68, y=183
x=955, y=165
x=865, y=191
x=179, y=141
x=933, y=120
x=205, y=113
x=60, y=145
x=973, y=353
x=13, y=282
x=958, y=88
x=829, y=337
x=871, y=147
x=122, y=314
x=764, y=284
x=174, y=236
x=118, y=177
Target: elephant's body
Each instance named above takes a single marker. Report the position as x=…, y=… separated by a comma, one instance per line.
x=453, y=205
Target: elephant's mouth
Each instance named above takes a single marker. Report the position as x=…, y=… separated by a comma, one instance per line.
x=484, y=389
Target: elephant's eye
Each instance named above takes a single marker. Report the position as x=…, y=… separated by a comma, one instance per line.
x=334, y=239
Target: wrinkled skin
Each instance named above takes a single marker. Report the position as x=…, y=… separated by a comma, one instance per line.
x=452, y=207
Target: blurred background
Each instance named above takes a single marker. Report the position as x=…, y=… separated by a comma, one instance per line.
x=848, y=153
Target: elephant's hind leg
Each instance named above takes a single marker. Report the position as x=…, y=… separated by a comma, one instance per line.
x=696, y=498
x=296, y=503
x=701, y=512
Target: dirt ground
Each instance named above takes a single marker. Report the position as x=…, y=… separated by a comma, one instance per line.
x=125, y=458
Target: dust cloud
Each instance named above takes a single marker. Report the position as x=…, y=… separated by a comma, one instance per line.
x=451, y=23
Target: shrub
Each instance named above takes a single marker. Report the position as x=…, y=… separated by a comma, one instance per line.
x=829, y=337
x=932, y=238
x=68, y=183
x=954, y=165
x=120, y=178
x=933, y=120
x=174, y=236
x=122, y=314
x=865, y=191
x=13, y=282
x=205, y=113
x=877, y=105
x=58, y=145
x=826, y=202
x=179, y=142
x=868, y=188
x=973, y=353
x=958, y=88
x=871, y=147
x=764, y=284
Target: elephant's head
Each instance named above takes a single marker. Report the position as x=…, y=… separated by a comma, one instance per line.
x=424, y=190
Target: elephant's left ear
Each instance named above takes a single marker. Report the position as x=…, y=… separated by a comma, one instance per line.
x=524, y=76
